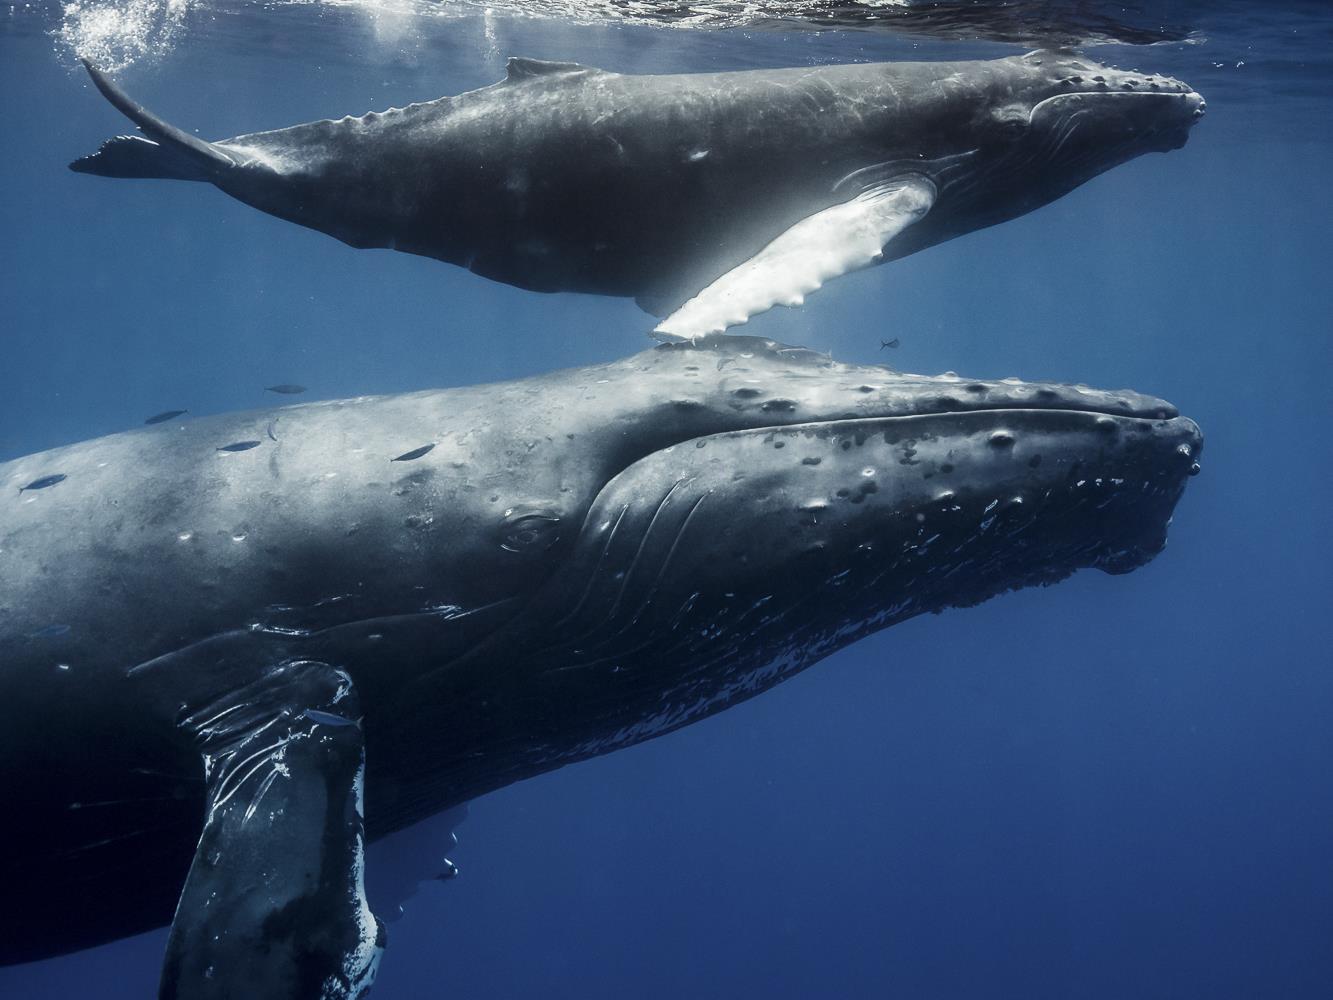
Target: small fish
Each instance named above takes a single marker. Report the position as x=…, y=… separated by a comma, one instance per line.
x=287, y=389
x=50, y=632
x=328, y=718
x=45, y=481
x=165, y=415
x=269, y=430
x=888, y=343
x=239, y=446
x=408, y=456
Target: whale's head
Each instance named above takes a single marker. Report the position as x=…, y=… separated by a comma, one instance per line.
x=1070, y=110
x=1031, y=128
x=744, y=509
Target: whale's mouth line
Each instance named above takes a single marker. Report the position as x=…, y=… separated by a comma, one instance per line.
x=1007, y=421
x=1019, y=410
x=1108, y=94
x=1179, y=111
x=1004, y=425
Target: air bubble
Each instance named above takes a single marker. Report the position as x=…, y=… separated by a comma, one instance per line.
x=113, y=38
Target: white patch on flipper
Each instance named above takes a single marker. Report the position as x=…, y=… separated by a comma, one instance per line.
x=362, y=962
x=836, y=241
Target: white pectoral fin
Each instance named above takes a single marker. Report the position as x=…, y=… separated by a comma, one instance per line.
x=836, y=241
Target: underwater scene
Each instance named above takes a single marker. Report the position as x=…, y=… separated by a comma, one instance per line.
x=427, y=429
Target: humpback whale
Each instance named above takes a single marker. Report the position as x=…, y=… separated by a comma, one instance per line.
x=222, y=673
x=707, y=197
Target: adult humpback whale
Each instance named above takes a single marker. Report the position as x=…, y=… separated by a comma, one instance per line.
x=750, y=189
x=211, y=659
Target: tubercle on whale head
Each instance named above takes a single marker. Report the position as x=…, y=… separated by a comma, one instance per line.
x=1065, y=71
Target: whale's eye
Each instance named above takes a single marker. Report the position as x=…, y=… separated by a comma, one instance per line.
x=526, y=530
x=1011, y=123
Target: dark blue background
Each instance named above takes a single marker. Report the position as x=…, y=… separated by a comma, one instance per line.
x=1118, y=787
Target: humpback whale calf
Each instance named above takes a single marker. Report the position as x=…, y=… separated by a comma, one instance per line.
x=222, y=673
x=710, y=197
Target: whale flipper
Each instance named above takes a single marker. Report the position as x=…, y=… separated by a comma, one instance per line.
x=187, y=157
x=844, y=238
x=275, y=905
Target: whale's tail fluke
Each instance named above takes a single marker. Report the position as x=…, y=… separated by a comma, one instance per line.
x=164, y=151
x=135, y=156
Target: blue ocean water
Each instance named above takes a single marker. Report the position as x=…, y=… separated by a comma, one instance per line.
x=1116, y=787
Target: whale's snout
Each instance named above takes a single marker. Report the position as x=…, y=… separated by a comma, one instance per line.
x=1170, y=458
x=1194, y=108
x=1181, y=116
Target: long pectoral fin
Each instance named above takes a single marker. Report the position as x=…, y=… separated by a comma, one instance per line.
x=274, y=905
x=840, y=239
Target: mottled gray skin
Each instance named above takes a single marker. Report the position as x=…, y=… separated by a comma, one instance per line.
x=585, y=560
x=565, y=178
